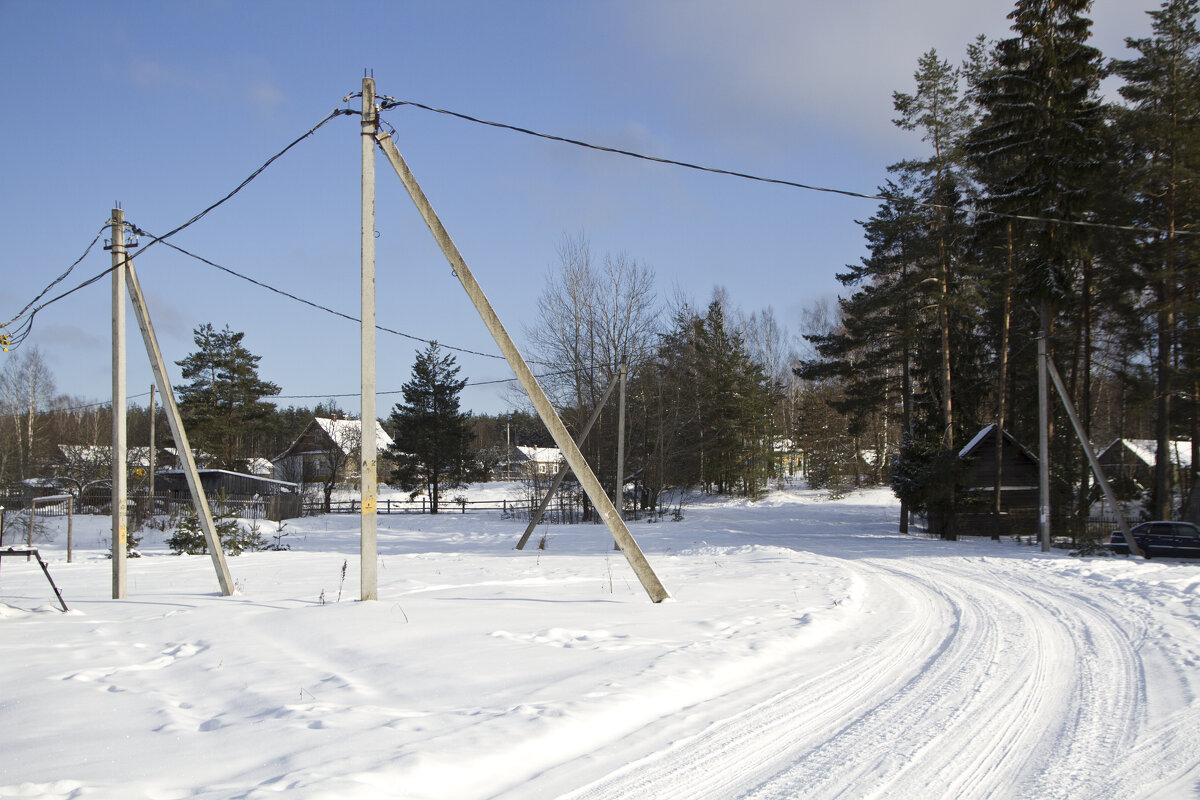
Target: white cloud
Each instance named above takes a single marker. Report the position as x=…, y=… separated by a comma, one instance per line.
x=767, y=65
x=266, y=95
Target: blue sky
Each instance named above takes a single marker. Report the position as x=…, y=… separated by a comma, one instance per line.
x=165, y=107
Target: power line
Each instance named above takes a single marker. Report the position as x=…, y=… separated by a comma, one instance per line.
x=326, y=309
x=15, y=339
x=391, y=102
x=401, y=391
x=57, y=280
x=55, y=409
x=337, y=112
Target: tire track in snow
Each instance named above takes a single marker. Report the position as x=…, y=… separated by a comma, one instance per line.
x=1012, y=691
x=754, y=732
x=959, y=728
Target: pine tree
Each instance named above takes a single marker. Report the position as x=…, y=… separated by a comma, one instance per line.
x=943, y=118
x=432, y=436
x=1160, y=131
x=1038, y=140
x=223, y=403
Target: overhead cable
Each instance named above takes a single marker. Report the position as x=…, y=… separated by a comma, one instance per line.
x=391, y=102
x=318, y=306
x=57, y=280
x=22, y=331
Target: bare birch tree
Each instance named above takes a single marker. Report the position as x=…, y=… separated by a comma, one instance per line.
x=26, y=386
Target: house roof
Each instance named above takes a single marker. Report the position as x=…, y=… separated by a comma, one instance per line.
x=338, y=431
x=259, y=466
x=541, y=455
x=1146, y=450
x=345, y=430
x=990, y=430
x=247, y=476
x=100, y=453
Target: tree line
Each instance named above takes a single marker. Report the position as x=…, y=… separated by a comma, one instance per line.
x=1036, y=211
x=972, y=258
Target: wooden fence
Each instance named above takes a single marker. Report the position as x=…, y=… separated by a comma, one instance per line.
x=559, y=512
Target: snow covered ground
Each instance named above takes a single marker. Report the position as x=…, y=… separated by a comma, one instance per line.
x=809, y=651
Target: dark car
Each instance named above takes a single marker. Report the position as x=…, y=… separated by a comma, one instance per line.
x=1173, y=539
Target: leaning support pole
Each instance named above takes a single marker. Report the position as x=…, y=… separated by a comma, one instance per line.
x=1043, y=433
x=203, y=513
x=1097, y=468
x=574, y=458
x=564, y=469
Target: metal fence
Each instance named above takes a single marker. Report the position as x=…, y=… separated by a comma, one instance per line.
x=99, y=501
x=420, y=506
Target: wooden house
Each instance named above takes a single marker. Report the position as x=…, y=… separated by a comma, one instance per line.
x=523, y=462
x=173, y=482
x=975, y=499
x=325, y=443
x=1133, y=460
x=244, y=494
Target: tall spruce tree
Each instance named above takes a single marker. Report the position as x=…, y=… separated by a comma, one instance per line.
x=432, y=448
x=223, y=404
x=1037, y=151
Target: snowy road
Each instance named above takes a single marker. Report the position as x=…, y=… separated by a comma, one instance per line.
x=810, y=651
x=964, y=678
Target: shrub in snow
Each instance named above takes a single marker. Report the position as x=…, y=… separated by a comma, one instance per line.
x=188, y=538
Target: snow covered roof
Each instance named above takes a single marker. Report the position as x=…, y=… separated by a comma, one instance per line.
x=350, y=430
x=1146, y=450
x=259, y=466
x=990, y=430
x=541, y=455
x=248, y=476
x=100, y=453
x=979, y=437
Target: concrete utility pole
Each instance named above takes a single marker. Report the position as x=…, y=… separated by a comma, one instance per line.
x=120, y=524
x=587, y=478
x=619, y=488
x=368, y=447
x=619, y=485
x=159, y=367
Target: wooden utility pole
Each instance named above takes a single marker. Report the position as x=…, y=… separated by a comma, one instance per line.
x=541, y=403
x=369, y=448
x=564, y=469
x=120, y=525
x=159, y=367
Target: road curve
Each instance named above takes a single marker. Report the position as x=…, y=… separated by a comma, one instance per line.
x=963, y=677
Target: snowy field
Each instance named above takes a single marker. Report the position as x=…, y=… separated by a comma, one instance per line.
x=809, y=651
